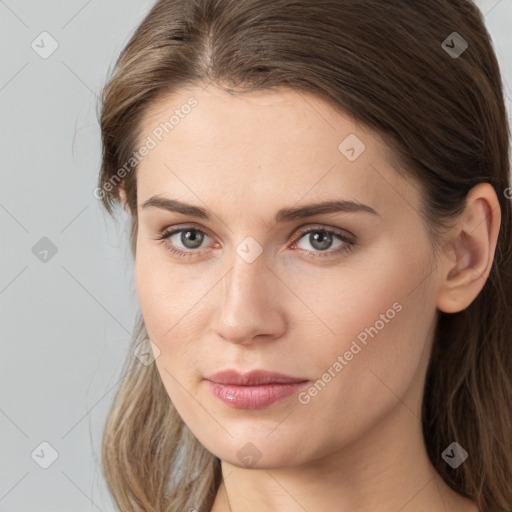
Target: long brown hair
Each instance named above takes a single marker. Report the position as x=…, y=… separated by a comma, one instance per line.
x=393, y=66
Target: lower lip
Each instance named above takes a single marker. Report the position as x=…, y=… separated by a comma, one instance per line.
x=254, y=397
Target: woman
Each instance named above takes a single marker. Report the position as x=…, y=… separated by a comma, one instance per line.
x=321, y=226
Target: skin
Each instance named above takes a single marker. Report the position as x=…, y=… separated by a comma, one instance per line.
x=357, y=445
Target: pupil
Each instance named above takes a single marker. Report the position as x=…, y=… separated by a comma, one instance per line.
x=191, y=236
x=321, y=240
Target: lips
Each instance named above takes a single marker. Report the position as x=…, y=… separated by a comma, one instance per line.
x=253, y=390
x=253, y=378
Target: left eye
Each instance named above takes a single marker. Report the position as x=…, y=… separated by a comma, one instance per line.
x=320, y=239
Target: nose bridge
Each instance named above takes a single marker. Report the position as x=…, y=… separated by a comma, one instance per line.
x=245, y=285
x=247, y=306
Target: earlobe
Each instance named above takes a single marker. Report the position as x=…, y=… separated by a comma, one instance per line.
x=467, y=260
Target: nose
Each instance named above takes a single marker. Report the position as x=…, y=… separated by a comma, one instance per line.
x=250, y=304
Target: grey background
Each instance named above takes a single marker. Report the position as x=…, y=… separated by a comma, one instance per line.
x=66, y=323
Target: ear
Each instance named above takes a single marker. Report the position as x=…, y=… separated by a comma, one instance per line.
x=467, y=258
x=123, y=199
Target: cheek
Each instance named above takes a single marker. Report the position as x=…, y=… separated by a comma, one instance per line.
x=381, y=319
x=154, y=294
x=167, y=294
x=169, y=304
x=174, y=302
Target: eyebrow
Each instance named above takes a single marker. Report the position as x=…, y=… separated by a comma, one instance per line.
x=283, y=215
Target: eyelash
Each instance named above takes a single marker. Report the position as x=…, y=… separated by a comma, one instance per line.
x=348, y=245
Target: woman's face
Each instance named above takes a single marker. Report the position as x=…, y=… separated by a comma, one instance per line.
x=256, y=286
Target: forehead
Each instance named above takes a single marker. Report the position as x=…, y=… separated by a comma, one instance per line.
x=276, y=144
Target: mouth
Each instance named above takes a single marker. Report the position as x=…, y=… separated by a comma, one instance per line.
x=253, y=390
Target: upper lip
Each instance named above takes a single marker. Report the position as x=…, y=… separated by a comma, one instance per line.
x=252, y=378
